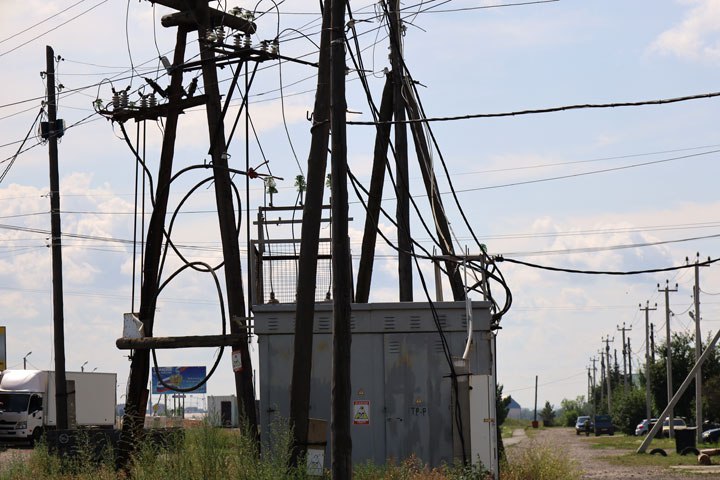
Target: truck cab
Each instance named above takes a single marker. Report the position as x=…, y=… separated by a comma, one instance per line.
x=21, y=416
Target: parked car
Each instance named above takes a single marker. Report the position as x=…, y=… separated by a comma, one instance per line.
x=581, y=427
x=678, y=424
x=644, y=427
x=603, y=424
x=711, y=436
x=708, y=425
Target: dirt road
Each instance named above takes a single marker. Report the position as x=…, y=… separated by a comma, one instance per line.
x=597, y=463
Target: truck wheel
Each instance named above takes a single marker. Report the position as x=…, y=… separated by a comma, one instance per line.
x=36, y=436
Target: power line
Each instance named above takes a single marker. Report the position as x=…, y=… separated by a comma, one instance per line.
x=17, y=34
x=547, y=110
x=53, y=29
x=602, y=272
x=482, y=7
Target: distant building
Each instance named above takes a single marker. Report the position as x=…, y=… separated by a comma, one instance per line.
x=222, y=411
x=515, y=409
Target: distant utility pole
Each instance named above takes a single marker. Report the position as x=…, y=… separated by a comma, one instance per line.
x=625, y=353
x=536, y=385
x=594, y=370
x=54, y=130
x=608, y=373
x=629, y=355
x=602, y=376
x=698, y=350
x=668, y=354
x=589, y=382
x=647, y=310
x=652, y=340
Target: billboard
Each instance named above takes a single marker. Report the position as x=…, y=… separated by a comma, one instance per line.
x=3, y=352
x=181, y=377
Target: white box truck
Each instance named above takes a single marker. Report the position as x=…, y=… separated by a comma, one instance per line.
x=27, y=402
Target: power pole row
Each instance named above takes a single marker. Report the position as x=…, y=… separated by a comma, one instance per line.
x=625, y=353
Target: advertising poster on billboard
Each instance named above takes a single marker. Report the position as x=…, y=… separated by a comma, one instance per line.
x=180, y=377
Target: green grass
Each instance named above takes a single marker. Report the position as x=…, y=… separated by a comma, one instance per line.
x=631, y=443
x=540, y=462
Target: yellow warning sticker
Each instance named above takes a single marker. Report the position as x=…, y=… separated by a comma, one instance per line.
x=361, y=412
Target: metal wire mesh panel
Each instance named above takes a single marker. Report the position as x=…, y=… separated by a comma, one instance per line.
x=277, y=271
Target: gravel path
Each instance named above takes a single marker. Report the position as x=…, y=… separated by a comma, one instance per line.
x=594, y=462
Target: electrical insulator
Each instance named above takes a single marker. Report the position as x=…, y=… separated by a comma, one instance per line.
x=275, y=47
x=220, y=34
x=123, y=99
x=247, y=41
x=210, y=36
x=237, y=40
x=153, y=100
x=143, y=102
x=116, y=100
x=264, y=45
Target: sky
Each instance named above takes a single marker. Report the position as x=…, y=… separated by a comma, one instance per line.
x=622, y=189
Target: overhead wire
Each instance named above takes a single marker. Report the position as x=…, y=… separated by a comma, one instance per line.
x=639, y=103
x=2, y=54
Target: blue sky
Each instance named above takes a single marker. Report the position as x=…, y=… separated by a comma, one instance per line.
x=468, y=61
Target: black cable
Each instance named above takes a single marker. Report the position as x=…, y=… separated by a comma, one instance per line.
x=639, y=103
x=482, y=7
x=141, y=161
x=20, y=148
x=500, y=258
x=224, y=332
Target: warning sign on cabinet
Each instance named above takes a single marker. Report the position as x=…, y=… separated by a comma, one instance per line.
x=361, y=412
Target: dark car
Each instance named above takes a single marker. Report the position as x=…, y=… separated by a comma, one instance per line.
x=711, y=436
x=580, y=424
x=603, y=424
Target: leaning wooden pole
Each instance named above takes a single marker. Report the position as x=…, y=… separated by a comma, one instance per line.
x=228, y=230
x=377, y=179
x=342, y=284
x=438, y=210
x=309, y=240
x=136, y=395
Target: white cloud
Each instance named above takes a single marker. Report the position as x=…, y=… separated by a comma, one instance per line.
x=697, y=37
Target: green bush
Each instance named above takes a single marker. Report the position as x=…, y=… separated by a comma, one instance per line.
x=628, y=410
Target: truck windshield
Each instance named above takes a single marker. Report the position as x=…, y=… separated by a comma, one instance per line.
x=14, y=402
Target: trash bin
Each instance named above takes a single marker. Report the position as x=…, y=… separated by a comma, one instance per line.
x=684, y=438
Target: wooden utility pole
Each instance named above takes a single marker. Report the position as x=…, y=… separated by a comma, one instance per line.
x=401, y=156
x=698, y=350
x=377, y=179
x=342, y=283
x=594, y=371
x=309, y=240
x=226, y=219
x=56, y=248
x=652, y=340
x=625, y=353
x=647, y=310
x=668, y=350
x=608, y=372
x=137, y=393
x=629, y=355
x=442, y=226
